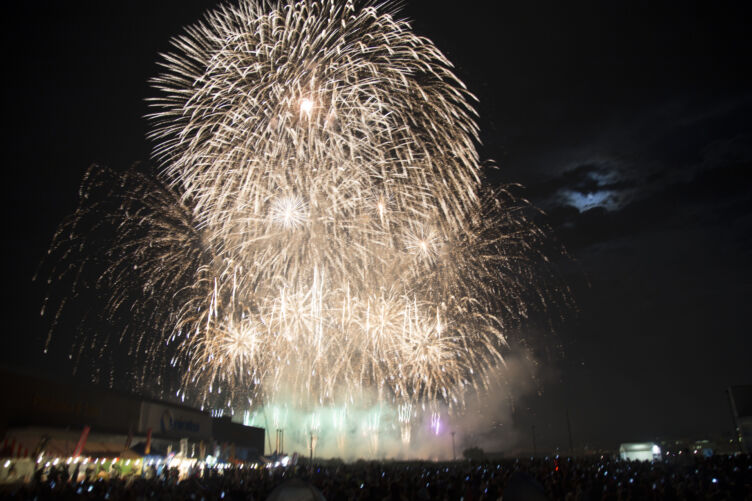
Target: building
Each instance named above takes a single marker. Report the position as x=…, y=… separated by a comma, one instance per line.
x=37, y=414
x=236, y=440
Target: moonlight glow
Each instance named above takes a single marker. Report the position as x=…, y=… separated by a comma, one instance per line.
x=316, y=234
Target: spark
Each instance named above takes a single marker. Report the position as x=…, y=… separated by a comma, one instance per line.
x=289, y=212
x=436, y=423
x=306, y=106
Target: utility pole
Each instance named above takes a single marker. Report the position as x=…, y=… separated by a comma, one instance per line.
x=734, y=413
x=454, y=452
x=311, y=450
x=569, y=431
x=280, y=442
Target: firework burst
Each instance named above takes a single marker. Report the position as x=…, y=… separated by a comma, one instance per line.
x=316, y=232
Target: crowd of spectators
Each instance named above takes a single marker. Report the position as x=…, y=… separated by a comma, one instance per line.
x=552, y=478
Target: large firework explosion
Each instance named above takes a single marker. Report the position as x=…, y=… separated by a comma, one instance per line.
x=316, y=234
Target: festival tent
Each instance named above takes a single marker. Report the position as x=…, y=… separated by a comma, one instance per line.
x=62, y=443
x=640, y=451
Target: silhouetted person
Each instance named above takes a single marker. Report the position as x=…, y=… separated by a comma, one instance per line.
x=523, y=487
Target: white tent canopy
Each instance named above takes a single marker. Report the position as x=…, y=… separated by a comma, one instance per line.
x=640, y=451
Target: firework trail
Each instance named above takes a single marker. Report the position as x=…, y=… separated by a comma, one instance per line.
x=317, y=231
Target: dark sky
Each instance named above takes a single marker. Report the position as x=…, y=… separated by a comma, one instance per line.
x=628, y=122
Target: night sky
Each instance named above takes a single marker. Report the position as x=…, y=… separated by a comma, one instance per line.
x=629, y=123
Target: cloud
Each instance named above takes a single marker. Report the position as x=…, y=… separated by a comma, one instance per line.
x=657, y=152
x=591, y=185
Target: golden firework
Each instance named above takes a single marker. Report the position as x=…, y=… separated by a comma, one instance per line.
x=317, y=231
